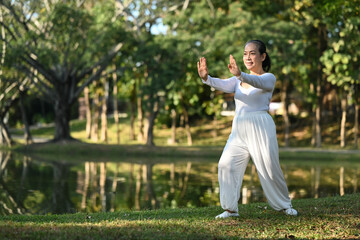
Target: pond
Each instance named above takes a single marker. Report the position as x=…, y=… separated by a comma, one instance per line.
x=33, y=186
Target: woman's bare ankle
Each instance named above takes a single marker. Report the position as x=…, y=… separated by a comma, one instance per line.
x=230, y=211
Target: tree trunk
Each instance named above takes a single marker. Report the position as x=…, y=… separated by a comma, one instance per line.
x=116, y=111
x=27, y=134
x=148, y=115
x=313, y=131
x=321, y=47
x=317, y=119
x=104, y=130
x=95, y=119
x=140, y=116
x=103, y=137
x=132, y=112
x=88, y=112
x=151, y=123
x=102, y=182
x=2, y=60
x=62, y=121
x=173, y=126
x=343, y=121
x=187, y=126
x=285, y=101
x=356, y=124
x=132, y=119
x=5, y=137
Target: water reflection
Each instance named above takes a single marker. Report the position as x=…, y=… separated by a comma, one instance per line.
x=31, y=186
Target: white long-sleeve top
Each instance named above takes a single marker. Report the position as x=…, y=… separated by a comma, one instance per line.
x=256, y=98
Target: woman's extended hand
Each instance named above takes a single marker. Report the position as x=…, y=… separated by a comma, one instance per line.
x=233, y=67
x=202, y=69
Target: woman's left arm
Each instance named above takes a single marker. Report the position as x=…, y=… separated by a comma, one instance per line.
x=265, y=81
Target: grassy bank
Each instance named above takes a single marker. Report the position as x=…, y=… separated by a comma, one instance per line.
x=80, y=151
x=205, y=132
x=325, y=218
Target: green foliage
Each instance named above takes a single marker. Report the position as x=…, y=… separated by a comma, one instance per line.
x=341, y=59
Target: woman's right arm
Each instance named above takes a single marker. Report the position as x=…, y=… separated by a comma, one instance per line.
x=225, y=85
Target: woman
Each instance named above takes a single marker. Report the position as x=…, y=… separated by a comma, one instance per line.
x=253, y=131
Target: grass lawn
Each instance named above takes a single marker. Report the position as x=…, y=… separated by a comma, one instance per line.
x=324, y=218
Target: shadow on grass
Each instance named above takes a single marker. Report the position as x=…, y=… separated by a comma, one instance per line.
x=336, y=217
x=255, y=221
x=129, y=231
x=328, y=207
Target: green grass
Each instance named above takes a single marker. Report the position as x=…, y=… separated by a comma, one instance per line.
x=325, y=218
x=80, y=152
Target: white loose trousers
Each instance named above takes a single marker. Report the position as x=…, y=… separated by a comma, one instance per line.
x=253, y=135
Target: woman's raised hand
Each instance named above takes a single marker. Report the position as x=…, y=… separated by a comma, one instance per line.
x=202, y=69
x=233, y=67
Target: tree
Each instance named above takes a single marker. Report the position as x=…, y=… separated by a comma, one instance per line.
x=140, y=17
x=310, y=14
x=155, y=62
x=13, y=85
x=341, y=60
x=5, y=88
x=27, y=134
x=63, y=54
x=7, y=99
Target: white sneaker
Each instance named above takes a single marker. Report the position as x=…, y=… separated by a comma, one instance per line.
x=227, y=214
x=291, y=212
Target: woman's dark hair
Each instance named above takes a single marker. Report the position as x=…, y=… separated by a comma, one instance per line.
x=266, y=64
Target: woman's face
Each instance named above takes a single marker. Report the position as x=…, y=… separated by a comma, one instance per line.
x=252, y=58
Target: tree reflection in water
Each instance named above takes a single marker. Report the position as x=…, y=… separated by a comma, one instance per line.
x=37, y=186
x=60, y=195
x=8, y=203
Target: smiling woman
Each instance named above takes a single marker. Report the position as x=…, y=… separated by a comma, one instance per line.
x=251, y=56
x=253, y=132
